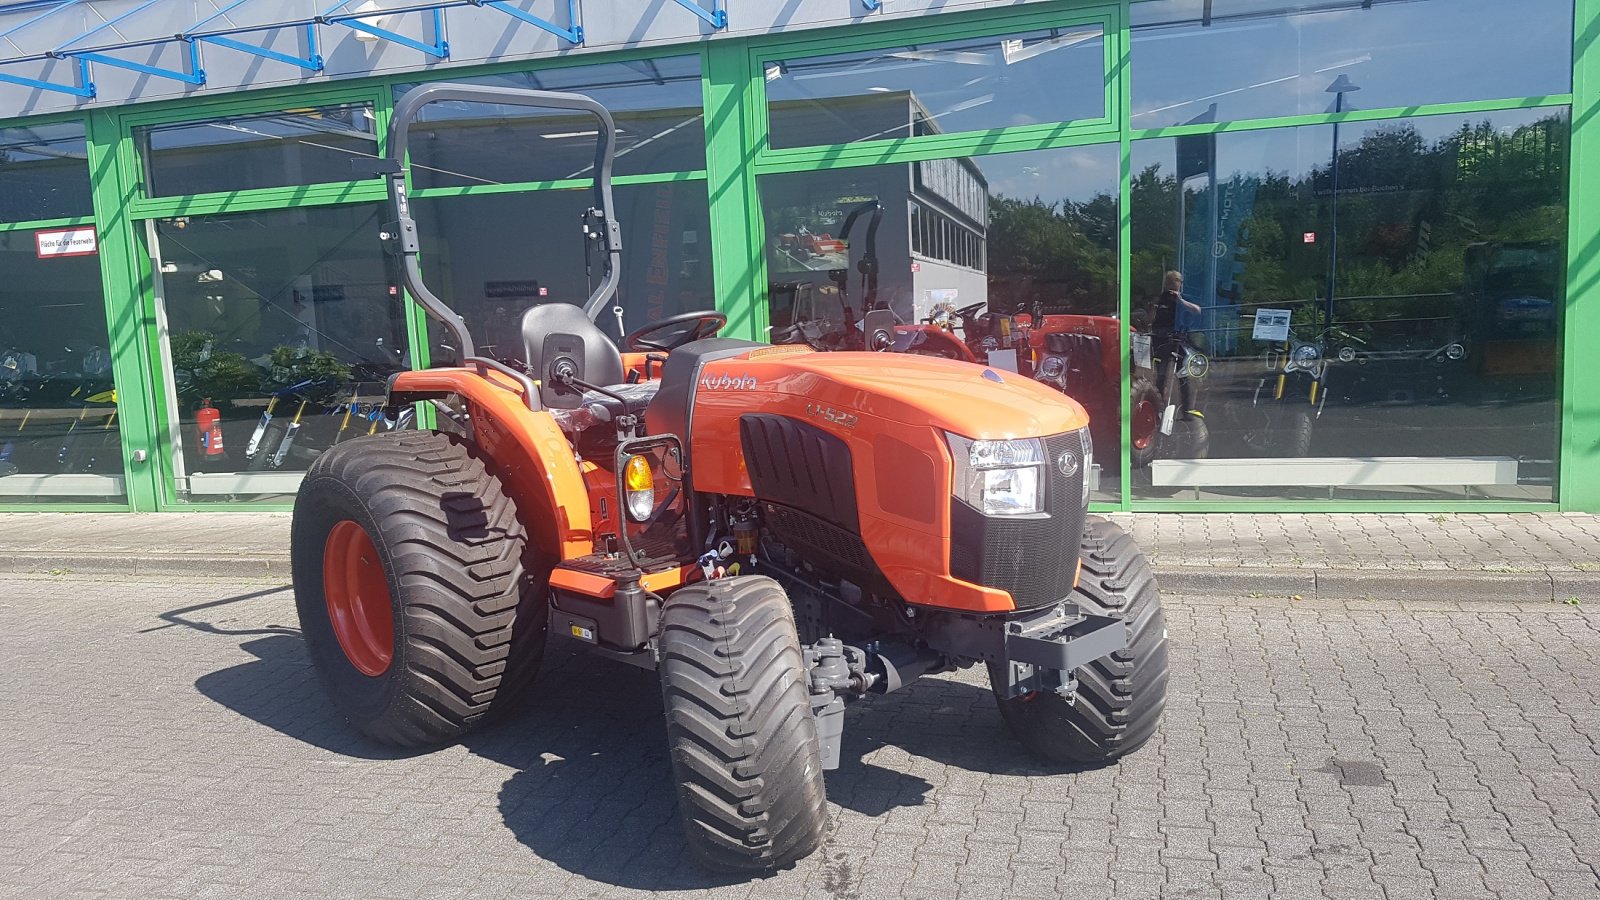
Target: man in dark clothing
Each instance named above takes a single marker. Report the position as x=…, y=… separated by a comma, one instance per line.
x=1166, y=340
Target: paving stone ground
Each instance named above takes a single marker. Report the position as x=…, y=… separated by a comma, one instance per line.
x=1459, y=542
x=169, y=739
x=245, y=543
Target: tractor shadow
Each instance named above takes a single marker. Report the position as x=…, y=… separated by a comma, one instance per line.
x=592, y=790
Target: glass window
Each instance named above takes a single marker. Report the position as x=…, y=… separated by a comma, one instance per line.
x=238, y=153
x=44, y=172
x=1049, y=75
x=656, y=104
x=59, y=435
x=492, y=256
x=1433, y=369
x=1047, y=220
x=1204, y=61
x=282, y=328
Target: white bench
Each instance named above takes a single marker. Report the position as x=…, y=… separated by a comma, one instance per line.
x=1336, y=471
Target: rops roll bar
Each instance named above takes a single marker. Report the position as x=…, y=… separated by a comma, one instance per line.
x=400, y=235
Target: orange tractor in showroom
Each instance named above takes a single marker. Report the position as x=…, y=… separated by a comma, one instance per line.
x=774, y=531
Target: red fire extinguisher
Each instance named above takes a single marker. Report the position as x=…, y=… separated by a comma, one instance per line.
x=208, y=423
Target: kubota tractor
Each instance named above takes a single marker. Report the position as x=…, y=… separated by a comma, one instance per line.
x=774, y=531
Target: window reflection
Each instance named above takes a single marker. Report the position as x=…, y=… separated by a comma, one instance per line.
x=1220, y=60
x=973, y=258
x=1364, y=309
x=656, y=104
x=282, y=327
x=1052, y=75
x=59, y=431
x=44, y=172
x=316, y=146
x=491, y=257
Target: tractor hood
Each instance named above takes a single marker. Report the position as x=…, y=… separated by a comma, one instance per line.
x=958, y=397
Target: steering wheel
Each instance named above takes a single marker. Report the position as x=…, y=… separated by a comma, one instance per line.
x=701, y=325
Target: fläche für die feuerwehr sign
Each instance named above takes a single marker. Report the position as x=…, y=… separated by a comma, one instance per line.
x=65, y=242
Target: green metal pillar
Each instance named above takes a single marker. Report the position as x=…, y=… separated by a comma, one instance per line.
x=1580, y=419
x=730, y=183
x=129, y=316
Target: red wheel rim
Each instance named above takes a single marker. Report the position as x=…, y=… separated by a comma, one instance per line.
x=357, y=592
x=1144, y=424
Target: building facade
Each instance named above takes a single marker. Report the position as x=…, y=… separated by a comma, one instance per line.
x=1375, y=207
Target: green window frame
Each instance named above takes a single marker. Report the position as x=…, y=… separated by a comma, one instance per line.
x=127, y=168
x=734, y=97
x=834, y=41
x=127, y=410
x=1585, y=53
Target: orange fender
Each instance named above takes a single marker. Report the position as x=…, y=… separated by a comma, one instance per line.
x=526, y=449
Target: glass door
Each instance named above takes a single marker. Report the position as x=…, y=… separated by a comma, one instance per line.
x=59, y=436
x=278, y=330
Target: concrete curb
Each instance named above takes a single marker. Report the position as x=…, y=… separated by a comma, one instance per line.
x=176, y=565
x=1306, y=583
x=1385, y=584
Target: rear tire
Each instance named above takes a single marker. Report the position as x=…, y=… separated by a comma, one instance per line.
x=466, y=596
x=1119, y=698
x=744, y=747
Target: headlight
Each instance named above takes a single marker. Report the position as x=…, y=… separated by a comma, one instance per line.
x=1305, y=356
x=1455, y=352
x=641, y=485
x=1053, y=367
x=1088, y=463
x=999, y=478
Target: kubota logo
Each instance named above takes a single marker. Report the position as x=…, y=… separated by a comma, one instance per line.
x=1067, y=463
x=728, y=382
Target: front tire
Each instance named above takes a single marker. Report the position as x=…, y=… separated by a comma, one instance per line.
x=412, y=582
x=1145, y=430
x=743, y=740
x=1192, y=437
x=1119, y=698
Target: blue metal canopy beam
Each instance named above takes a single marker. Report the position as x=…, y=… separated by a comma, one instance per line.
x=23, y=26
x=228, y=37
x=439, y=49
x=312, y=61
x=573, y=33
x=195, y=75
x=84, y=88
x=717, y=17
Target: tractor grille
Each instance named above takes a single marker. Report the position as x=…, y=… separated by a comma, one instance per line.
x=821, y=542
x=1033, y=558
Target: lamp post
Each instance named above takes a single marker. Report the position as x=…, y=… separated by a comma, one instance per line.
x=1341, y=86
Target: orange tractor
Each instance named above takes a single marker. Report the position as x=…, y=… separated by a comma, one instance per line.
x=774, y=531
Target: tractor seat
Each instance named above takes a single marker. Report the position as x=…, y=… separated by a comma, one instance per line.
x=635, y=397
x=557, y=338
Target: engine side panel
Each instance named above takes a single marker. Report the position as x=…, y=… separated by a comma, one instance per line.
x=890, y=412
